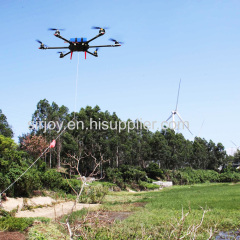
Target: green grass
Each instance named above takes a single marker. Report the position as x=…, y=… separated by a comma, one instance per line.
x=164, y=208
x=19, y=224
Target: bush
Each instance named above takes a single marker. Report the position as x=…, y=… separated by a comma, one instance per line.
x=15, y=224
x=147, y=186
x=26, y=184
x=125, y=174
x=53, y=180
x=130, y=174
x=114, y=175
x=191, y=176
x=75, y=184
x=4, y=182
x=230, y=177
x=154, y=171
x=94, y=194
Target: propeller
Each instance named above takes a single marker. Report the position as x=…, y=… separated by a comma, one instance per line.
x=96, y=50
x=116, y=42
x=99, y=27
x=55, y=29
x=39, y=41
x=43, y=45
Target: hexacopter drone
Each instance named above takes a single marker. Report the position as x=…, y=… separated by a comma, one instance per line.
x=79, y=44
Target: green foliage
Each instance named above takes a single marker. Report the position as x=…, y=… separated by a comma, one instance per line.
x=107, y=184
x=75, y=216
x=154, y=171
x=5, y=129
x=26, y=184
x=147, y=186
x=230, y=176
x=125, y=174
x=44, y=231
x=192, y=176
x=4, y=213
x=15, y=224
x=94, y=194
x=52, y=179
x=68, y=184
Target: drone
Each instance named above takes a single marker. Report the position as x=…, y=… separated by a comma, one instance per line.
x=79, y=44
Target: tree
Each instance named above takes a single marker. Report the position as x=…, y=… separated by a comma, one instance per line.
x=200, y=158
x=34, y=145
x=45, y=114
x=160, y=150
x=5, y=129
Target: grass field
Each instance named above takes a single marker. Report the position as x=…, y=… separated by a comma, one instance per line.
x=157, y=214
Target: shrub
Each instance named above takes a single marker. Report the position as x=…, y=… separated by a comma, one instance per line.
x=26, y=184
x=154, y=171
x=52, y=180
x=147, y=186
x=94, y=194
x=230, y=177
x=15, y=224
x=114, y=175
x=191, y=176
x=4, y=182
x=75, y=184
x=130, y=173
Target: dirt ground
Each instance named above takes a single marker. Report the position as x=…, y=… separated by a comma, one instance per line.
x=12, y=203
x=12, y=236
x=55, y=211
x=48, y=207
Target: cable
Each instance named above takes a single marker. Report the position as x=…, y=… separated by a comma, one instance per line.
x=76, y=87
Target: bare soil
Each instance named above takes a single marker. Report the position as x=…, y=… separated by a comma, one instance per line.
x=43, y=207
x=12, y=236
x=55, y=211
x=12, y=203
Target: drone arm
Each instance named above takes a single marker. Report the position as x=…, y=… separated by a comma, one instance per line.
x=116, y=45
x=91, y=53
x=56, y=48
x=59, y=36
x=65, y=54
x=99, y=35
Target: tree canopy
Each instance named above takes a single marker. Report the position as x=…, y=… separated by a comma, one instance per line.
x=5, y=128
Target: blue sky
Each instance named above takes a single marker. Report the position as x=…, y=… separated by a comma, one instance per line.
x=197, y=41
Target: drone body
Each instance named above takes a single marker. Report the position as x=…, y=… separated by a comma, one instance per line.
x=79, y=44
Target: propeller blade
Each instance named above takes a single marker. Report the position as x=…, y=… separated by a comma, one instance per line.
x=113, y=40
x=94, y=27
x=178, y=94
x=42, y=45
x=38, y=41
x=184, y=123
x=55, y=29
x=169, y=117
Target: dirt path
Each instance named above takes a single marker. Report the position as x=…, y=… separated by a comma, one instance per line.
x=47, y=207
x=55, y=211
